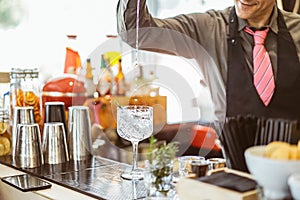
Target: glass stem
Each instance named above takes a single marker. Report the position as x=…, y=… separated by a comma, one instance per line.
x=134, y=154
x=134, y=190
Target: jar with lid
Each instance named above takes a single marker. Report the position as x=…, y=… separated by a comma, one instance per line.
x=25, y=91
x=5, y=133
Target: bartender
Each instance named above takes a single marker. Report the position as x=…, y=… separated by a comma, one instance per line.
x=254, y=45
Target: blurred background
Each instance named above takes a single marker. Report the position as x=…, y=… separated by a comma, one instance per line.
x=34, y=34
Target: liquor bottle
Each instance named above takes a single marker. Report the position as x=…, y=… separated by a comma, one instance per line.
x=120, y=80
x=72, y=59
x=89, y=84
x=89, y=73
x=105, y=80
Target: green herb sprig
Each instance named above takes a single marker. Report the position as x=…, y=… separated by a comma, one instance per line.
x=165, y=153
x=162, y=156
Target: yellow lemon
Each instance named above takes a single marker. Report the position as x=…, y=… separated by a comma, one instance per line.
x=293, y=152
x=273, y=146
x=2, y=149
x=281, y=153
x=3, y=127
x=6, y=143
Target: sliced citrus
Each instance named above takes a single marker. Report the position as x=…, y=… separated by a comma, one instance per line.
x=3, y=127
x=6, y=143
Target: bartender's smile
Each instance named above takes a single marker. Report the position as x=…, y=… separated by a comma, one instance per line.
x=247, y=4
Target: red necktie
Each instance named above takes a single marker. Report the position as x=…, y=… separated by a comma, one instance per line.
x=263, y=77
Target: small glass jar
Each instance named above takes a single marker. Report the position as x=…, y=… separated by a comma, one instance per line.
x=25, y=91
x=5, y=133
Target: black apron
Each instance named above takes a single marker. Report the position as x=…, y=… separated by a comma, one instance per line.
x=242, y=98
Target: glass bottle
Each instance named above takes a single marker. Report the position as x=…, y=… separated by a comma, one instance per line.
x=105, y=80
x=89, y=84
x=72, y=59
x=5, y=133
x=120, y=80
x=25, y=91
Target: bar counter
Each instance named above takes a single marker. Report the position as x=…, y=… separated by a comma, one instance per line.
x=94, y=178
x=99, y=176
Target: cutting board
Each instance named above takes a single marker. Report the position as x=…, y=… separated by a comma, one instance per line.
x=190, y=189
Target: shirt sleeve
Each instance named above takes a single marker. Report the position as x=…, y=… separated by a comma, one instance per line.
x=171, y=34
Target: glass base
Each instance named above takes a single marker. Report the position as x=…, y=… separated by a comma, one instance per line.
x=156, y=195
x=133, y=175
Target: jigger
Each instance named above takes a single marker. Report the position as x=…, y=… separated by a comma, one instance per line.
x=55, y=149
x=80, y=142
x=22, y=115
x=28, y=152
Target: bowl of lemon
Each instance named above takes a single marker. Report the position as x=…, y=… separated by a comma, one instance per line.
x=271, y=165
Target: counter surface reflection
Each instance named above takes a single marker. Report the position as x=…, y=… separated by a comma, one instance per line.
x=99, y=176
x=96, y=177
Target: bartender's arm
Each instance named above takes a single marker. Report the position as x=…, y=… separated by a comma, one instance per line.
x=205, y=29
x=201, y=36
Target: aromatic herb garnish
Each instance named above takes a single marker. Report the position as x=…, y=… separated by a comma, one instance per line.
x=161, y=158
x=152, y=141
x=165, y=153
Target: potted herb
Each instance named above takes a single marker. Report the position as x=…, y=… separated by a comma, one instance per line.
x=159, y=168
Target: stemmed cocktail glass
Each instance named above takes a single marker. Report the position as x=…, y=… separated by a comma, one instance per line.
x=134, y=123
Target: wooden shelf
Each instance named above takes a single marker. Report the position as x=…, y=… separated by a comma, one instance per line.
x=4, y=77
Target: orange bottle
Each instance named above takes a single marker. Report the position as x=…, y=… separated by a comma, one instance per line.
x=120, y=80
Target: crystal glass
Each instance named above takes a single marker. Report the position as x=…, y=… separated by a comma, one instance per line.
x=134, y=123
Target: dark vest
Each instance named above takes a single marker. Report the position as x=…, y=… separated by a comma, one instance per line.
x=242, y=98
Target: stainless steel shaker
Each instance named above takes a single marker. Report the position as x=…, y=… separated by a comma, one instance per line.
x=28, y=151
x=22, y=115
x=55, y=149
x=80, y=142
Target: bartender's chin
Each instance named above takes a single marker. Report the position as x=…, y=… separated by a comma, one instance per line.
x=243, y=14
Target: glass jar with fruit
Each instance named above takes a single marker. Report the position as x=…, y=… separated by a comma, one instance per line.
x=25, y=91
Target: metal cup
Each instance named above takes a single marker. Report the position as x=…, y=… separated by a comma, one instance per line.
x=55, y=149
x=22, y=115
x=28, y=152
x=80, y=142
x=55, y=112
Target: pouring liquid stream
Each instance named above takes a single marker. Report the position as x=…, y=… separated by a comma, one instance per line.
x=137, y=34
